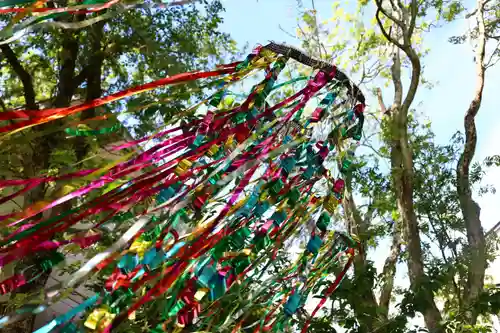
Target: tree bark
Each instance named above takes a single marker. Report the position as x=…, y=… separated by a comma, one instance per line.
x=389, y=270
x=402, y=175
x=93, y=77
x=470, y=209
x=24, y=76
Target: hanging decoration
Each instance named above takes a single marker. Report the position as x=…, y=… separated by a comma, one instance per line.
x=38, y=15
x=223, y=193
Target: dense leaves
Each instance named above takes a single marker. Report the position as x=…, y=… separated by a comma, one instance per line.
x=143, y=45
x=57, y=67
x=374, y=213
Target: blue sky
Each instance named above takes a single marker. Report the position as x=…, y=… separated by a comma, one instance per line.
x=449, y=66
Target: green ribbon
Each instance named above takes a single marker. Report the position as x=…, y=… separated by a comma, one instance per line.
x=40, y=225
x=77, y=132
x=10, y=3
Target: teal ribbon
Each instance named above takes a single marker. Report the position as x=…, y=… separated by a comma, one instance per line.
x=9, y=3
x=68, y=315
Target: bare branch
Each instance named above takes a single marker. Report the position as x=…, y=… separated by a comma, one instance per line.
x=286, y=32
x=493, y=230
x=393, y=5
x=382, y=29
x=495, y=53
x=383, y=109
x=316, y=31
x=493, y=37
x=406, y=48
x=469, y=15
x=389, y=15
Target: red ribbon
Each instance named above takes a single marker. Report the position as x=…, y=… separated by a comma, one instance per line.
x=330, y=290
x=42, y=116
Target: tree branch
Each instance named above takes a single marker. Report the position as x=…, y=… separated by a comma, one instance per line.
x=383, y=109
x=495, y=53
x=443, y=254
x=97, y=58
x=402, y=171
x=416, y=70
x=381, y=8
x=359, y=226
x=393, y=5
x=396, y=80
x=382, y=29
x=316, y=33
x=80, y=77
x=413, y=20
x=389, y=272
x=65, y=85
x=493, y=230
x=470, y=209
x=406, y=47
x=2, y=105
x=493, y=37
x=93, y=78
x=24, y=76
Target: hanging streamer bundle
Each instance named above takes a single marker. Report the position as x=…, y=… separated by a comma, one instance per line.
x=230, y=189
x=37, y=15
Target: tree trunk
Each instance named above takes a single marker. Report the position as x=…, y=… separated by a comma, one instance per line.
x=40, y=156
x=402, y=176
x=94, y=90
x=403, y=183
x=402, y=173
x=39, y=161
x=364, y=304
x=476, y=260
x=389, y=272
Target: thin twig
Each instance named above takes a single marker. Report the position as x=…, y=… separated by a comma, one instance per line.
x=493, y=230
x=381, y=8
x=384, y=32
x=286, y=32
